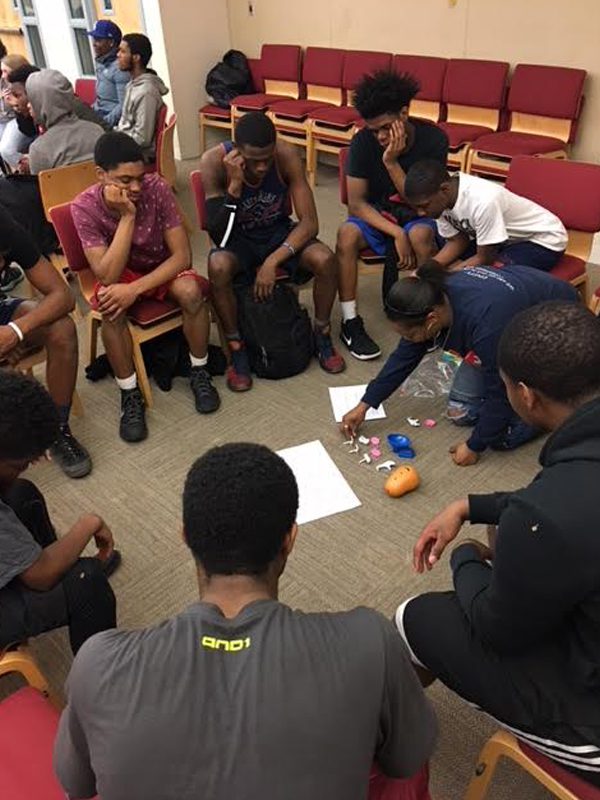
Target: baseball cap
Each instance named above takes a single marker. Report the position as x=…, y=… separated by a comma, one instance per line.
x=105, y=29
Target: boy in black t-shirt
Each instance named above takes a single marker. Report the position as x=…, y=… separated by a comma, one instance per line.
x=28, y=324
x=380, y=156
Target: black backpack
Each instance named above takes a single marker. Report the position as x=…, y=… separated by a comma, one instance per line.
x=277, y=332
x=228, y=78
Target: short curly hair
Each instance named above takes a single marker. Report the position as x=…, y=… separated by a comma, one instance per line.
x=29, y=421
x=239, y=503
x=553, y=347
x=384, y=92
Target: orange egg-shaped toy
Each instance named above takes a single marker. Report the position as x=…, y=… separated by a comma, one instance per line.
x=402, y=481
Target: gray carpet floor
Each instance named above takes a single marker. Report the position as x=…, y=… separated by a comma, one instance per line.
x=358, y=557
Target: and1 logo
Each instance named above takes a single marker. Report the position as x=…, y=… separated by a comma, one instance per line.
x=228, y=645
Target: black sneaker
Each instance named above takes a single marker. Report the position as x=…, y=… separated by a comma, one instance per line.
x=11, y=277
x=358, y=341
x=206, y=396
x=112, y=563
x=70, y=455
x=132, y=427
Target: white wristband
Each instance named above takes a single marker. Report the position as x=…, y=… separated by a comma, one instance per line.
x=17, y=330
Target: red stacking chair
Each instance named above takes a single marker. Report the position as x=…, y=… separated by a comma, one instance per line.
x=474, y=95
x=161, y=122
x=332, y=128
x=28, y=725
x=280, y=66
x=544, y=105
x=85, y=89
x=571, y=190
x=430, y=72
x=212, y=116
x=557, y=780
x=147, y=318
x=322, y=76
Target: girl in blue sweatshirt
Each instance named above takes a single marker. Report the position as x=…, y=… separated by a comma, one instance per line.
x=465, y=312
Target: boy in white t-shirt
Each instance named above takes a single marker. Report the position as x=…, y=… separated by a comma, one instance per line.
x=482, y=221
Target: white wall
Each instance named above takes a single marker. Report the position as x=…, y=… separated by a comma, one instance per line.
x=188, y=38
x=57, y=37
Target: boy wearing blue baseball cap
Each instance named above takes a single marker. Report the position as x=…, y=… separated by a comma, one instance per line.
x=110, y=80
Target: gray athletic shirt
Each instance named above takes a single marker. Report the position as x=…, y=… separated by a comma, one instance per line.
x=274, y=704
x=18, y=548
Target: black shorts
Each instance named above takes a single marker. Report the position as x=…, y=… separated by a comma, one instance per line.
x=528, y=694
x=251, y=252
x=8, y=306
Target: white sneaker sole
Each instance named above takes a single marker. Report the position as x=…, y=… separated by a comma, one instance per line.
x=359, y=356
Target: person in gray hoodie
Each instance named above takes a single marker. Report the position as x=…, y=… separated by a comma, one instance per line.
x=67, y=139
x=143, y=98
x=111, y=82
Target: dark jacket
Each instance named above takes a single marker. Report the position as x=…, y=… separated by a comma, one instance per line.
x=483, y=300
x=543, y=593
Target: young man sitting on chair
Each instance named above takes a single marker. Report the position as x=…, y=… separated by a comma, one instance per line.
x=44, y=582
x=27, y=324
x=380, y=155
x=137, y=246
x=248, y=187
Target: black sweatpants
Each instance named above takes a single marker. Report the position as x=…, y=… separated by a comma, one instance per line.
x=531, y=695
x=83, y=599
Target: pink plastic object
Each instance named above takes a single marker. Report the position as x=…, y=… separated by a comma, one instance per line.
x=375, y=452
x=375, y=440
x=429, y=423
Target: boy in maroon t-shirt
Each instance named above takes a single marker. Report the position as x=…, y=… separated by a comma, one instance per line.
x=135, y=241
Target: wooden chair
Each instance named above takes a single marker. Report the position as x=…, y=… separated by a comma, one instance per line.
x=28, y=724
x=147, y=318
x=561, y=783
x=165, y=152
x=61, y=185
x=594, y=304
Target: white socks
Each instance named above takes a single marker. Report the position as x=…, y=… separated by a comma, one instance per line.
x=127, y=384
x=198, y=362
x=348, y=309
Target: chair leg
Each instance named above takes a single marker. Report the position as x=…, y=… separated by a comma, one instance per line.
x=140, y=370
x=487, y=761
x=202, y=136
x=77, y=405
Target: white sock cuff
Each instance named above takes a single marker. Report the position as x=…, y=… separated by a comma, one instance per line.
x=198, y=362
x=348, y=309
x=399, y=620
x=127, y=384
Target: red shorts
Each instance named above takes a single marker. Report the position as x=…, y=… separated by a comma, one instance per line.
x=384, y=788
x=160, y=292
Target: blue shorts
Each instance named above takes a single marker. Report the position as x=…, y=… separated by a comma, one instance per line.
x=8, y=306
x=376, y=239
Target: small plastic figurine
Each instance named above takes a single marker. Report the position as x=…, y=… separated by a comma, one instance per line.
x=401, y=445
x=429, y=423
x=366, y=459
x=363, y=440
x=375, y=452
x=354, y=449
x=413, y=422
x=375, y=441
x=385, y=466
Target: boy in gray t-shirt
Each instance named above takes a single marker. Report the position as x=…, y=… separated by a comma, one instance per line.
x=240, y=696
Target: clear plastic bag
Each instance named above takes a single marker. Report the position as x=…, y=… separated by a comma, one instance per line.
x=433, y=377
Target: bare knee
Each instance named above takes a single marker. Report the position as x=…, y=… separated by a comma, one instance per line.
x=421, y=237
x=118, y=325
x=221, y=268
x=321, y=261
x=187, y=294
x=348, y=238
x=62, y=335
